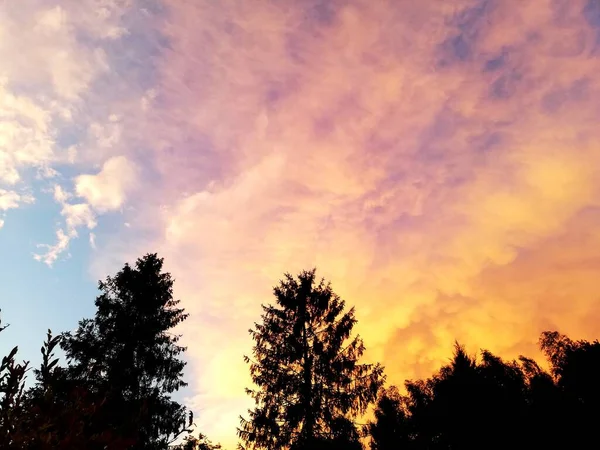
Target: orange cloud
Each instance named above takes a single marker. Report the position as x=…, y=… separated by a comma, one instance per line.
x=438, y=162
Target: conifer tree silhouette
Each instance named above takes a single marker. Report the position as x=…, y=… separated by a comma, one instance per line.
x=310, y=384
x=129, y=352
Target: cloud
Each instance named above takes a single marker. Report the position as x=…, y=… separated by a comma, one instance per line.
x=60, y=195
x=415, y=153
x=104, y=192
x=12, y=199
x=108, y=190
x=53, y=251
x=25, y=137
x=438, y=162
x=59, y=72
x=44, y=78
x=75, y=215
x=52, y=44
x=76, y=80
x=78, y=215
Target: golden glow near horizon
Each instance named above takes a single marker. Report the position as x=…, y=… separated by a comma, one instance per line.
x=437, y=161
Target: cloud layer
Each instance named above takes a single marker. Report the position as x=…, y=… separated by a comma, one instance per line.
x=66, y=95
x=437, y=161
x=428, y=159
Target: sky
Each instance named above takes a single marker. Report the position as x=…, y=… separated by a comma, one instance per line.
x=437, y=161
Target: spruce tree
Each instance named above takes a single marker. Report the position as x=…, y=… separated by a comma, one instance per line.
x=129, y=353
x=305, y=366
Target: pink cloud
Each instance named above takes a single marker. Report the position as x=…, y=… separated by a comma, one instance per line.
x=421, y=155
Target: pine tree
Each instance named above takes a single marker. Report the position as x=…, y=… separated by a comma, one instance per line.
x=305, y=366
x=128, y=352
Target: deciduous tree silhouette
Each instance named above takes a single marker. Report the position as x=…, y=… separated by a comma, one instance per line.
x=575, y=366
x=58, y=414
x=129, y=353
x=391, y=428
x=305, y=366
x=197, y=443
x=12, y=377
x=497, y=404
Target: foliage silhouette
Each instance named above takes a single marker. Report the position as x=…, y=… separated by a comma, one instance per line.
x=115, y=392
x=496, y=404
x=391, y=428
x=12, y=378
x=197, y=443
x=124, y=364
x=59, y=414
x=128, y=352
x=575, y=366
x=305, y=367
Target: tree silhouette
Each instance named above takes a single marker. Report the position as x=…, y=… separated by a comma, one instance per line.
x=575, y=366
x=58, y=414
x=305, y=366
x=12, y=378
x=463, y=405
x=197, y=443
x=124, y=364
x=129, y=354
x=391, y=428
x=497, y=404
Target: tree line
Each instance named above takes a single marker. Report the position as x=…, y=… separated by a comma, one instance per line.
x=310, y=389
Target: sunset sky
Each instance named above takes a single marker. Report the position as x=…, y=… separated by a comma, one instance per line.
x=438, y=161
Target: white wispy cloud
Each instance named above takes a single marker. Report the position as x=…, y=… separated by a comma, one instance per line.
x=76, y=215
x=53, y=251
x=108, y=189
x=12, y=199
x=103, y=192
x=59, y=110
